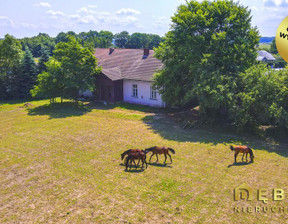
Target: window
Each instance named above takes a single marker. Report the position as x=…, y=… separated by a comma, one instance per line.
x=153, y=93
x=135, y=90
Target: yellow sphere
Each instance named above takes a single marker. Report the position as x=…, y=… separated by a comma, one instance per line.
x=282, y=39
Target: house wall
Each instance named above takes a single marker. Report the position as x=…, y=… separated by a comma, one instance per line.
x=143, y=94
x=102, y=80
x=118, y=90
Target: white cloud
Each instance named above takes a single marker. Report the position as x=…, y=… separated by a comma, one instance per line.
x=74, y=16
x=90, y=19
x=126, y=21
x=127, y=11
x=92, y=6
x=43, y=4
x=6, y=22
x=86, y=10
x=55, y=14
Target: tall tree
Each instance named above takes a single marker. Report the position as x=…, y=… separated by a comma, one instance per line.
x=122, y=39
x=71, y=69
x=27, y=78
x=273, y=48
x=155, y=41
x=209, y=45
x=38, y=43
x=11, y=55
x=139, y=40
x=42, y=60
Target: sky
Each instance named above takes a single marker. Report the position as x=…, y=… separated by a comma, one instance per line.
x=31, y=17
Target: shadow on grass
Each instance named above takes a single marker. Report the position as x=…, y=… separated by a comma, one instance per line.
x=134, y=171
x=239, y=164
x=125, y=106
x=59, y=110
x=19, y=101
x=171, y=130
x=160, y=165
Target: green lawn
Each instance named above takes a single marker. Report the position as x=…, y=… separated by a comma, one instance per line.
x=61, y=164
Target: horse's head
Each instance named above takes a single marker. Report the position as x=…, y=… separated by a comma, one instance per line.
x=122, y=156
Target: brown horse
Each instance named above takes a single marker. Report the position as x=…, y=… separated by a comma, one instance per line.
x=136, y=155
x=160, y=150
x=242, y=149
x=128, y=152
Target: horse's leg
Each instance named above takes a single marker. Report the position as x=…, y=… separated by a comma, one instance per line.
x=157, y=157
x=246, y=157
x=135, y=163
x=151, y=157
x=170, y=157
x=243, y=156
x=127, y=162
x=138, y=162
x=165, y=158
x=235, y=156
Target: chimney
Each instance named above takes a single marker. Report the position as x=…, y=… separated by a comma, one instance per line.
x=146, y=51
x=111, y=50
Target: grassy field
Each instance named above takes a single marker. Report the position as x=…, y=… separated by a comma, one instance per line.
x=61, y=164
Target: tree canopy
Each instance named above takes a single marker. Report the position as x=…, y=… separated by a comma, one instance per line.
x=209, y=45
x=11, y=56
x=71, y=69
x=137, y=40
x=263, y=99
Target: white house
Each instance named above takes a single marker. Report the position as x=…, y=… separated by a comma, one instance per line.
x=127, y=75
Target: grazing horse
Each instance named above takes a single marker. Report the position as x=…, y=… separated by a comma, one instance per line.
x=242, y=149
x=160, y=150
x=136, y=155
x=128, y=152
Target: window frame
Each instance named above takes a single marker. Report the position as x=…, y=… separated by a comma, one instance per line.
x=135, y=90
x=153, y=93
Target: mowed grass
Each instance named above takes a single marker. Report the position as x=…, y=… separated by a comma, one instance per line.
x=61, y=164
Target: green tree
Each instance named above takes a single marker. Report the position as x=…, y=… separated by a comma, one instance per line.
x=38, y=43
x=11, y=55
x=122, y=39
x=263, y=99
x=209, y=45
x=154, y=41
x=273, y=48
x=71, y=69
x=50, y=83
x=42, y=60
x=61, y=37
x=106, y=38
x=139, y=40
x=27, y=78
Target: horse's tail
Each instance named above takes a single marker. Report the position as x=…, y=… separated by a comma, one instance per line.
x=231, y=147
x=171, y=150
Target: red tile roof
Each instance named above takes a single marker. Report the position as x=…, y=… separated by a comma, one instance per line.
x=127, y=64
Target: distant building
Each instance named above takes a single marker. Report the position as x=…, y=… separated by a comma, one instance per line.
x=265, y=56
x=127, y=75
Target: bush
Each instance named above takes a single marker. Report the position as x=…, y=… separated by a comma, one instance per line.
x=262, y=99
